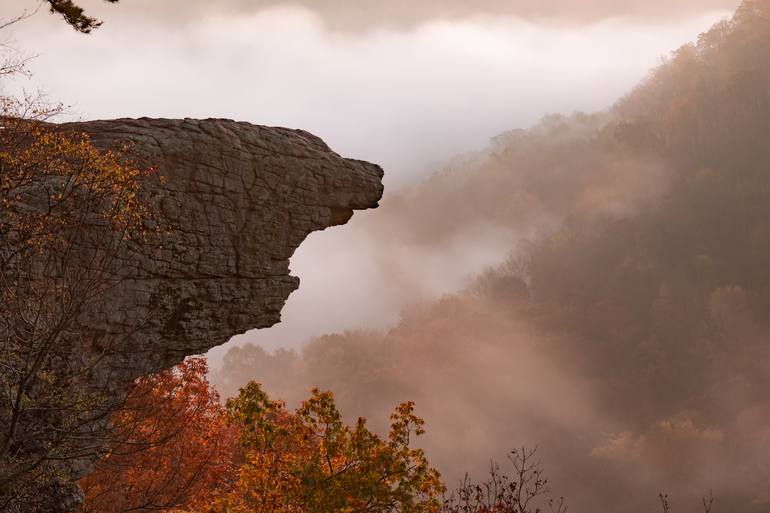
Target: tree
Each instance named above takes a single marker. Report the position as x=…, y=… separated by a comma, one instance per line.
x=174, y=449
x=309, y=461
x=522, y=492
x=75, y=15
x=67, y=213
x=707, y=503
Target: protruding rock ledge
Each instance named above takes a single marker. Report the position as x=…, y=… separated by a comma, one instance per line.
x=240, y=198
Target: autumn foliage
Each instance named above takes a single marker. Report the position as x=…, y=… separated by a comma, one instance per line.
x=310, y=461
x=175, y=446
x=180, y=450
x=68, y=210
x=83, y=186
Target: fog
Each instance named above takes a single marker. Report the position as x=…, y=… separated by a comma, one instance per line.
x=625, y=334
x=408, y=98
x=591, y=283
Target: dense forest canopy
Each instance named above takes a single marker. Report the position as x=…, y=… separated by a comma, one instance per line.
x=627, y=333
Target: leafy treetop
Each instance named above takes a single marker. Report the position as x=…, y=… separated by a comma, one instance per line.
x=310, y=461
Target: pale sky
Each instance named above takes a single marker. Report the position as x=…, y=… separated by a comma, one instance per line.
x=403, y=84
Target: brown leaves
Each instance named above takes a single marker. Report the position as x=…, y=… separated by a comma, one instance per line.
x=178, y=451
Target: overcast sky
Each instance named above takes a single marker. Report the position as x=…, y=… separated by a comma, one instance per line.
x=406, y=84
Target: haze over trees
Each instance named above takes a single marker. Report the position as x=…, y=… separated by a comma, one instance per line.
x=626, y=335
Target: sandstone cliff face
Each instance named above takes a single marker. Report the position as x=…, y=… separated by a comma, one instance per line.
x=238, y=200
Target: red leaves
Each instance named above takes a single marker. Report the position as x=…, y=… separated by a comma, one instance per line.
x=174, y=447
x=178, y=450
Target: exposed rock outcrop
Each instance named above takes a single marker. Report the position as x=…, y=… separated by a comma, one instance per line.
x=238, y=200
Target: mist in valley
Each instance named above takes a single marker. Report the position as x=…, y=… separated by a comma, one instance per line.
x=611, y=294
x=571, y=253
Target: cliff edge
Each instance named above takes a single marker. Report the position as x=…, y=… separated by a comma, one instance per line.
x=235, y=201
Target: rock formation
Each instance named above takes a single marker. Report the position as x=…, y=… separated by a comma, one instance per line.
x=238, y=199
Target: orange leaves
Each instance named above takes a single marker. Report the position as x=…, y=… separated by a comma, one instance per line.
x=53, y=182
x=175, y=448
x=179, y=452
x=67, y=214
x=310, y=461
